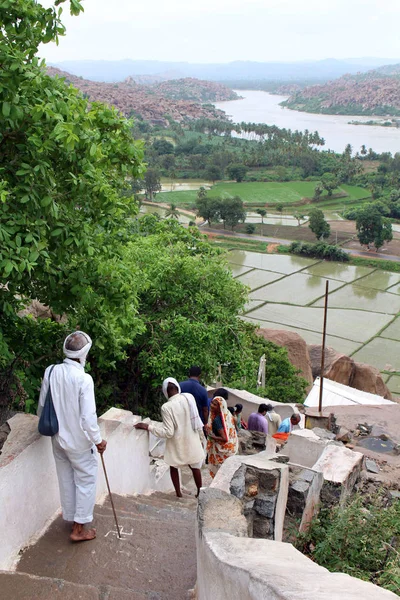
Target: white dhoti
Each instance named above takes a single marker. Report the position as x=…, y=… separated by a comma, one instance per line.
x=77, y=475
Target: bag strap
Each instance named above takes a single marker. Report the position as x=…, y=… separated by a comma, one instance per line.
x=51, y=370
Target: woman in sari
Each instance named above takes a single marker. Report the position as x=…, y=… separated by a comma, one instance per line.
x=221, y=432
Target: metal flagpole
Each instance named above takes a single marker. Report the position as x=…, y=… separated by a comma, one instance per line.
x=321, y=382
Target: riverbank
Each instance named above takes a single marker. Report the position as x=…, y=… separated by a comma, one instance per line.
x=262, y=107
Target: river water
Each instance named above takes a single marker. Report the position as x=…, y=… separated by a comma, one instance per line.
x=261, y=107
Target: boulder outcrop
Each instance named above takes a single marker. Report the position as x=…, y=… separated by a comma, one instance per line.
x=343, y=369
x=369, y=379
x=338, y=367
x=296, y=347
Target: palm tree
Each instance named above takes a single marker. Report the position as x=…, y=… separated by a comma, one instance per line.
x=263, y=213
x=172, y=212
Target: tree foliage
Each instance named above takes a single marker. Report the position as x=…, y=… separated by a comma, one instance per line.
x=152, y=183
x=237, y=172
x=372, y=227
x=317, y=223
x=155, y=296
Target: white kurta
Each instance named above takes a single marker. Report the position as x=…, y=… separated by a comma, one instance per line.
x=72, y=392
x=183, y=446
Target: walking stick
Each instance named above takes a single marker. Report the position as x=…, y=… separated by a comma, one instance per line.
x=109, y=493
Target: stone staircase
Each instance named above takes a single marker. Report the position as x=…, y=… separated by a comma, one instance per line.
x=155, y=560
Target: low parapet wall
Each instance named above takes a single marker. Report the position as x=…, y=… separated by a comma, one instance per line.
x=251, y=402
x=233, y=566
x=29, y=496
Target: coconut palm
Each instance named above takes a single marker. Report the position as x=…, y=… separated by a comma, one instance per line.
x=263, y=213
x=172, y=212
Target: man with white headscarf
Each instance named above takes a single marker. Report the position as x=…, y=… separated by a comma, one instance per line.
x=72, y=392
x=181, y=426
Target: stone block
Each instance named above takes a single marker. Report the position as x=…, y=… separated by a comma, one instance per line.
x=218, y=510
x=304, y=495
x=264, y=505
x=262, y=528
x=304, y=447
x=341, y=468
x=238, y=482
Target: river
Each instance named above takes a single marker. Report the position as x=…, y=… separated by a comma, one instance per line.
x=261, y=107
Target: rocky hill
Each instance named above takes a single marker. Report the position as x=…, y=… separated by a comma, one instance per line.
x=376, y=92
x=195, y=90
x=148, y=101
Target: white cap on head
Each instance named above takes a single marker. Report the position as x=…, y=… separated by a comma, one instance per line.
x=79, y=354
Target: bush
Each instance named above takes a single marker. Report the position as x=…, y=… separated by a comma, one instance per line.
x=359, y=539
x=250, y=228
x=319, y=250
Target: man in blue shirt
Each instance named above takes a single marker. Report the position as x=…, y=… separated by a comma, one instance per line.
x=287, y=424
x=194, y=387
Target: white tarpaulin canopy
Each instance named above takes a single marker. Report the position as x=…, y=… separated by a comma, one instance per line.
x=337, y=394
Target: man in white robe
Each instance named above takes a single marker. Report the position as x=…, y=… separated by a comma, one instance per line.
x=74, y=446
x=182, y=427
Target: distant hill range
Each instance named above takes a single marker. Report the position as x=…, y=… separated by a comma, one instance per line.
x=181, y=99
x=321, y=70
x=375, y=92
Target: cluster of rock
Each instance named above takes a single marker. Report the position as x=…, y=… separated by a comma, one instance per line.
x=373, y=91
x=150, y=102
x=338, y=367
x=196, y=90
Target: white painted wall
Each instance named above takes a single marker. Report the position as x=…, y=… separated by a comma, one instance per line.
x=29, y=496
x=28, y=487
x=251, y=402
x=237, y=568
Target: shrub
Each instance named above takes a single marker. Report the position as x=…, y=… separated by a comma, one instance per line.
x=250, y=228
x=319, y=250
x=358, y=539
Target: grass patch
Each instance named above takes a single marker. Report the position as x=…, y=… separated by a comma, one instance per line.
x=376, y=263
x=233, y=243
x=259, y=193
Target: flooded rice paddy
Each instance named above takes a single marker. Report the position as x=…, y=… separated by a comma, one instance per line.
x=287, y=292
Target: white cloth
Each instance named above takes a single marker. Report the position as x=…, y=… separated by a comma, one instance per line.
x=77, y=475
x=79, y=354
x=72, y=391
x=183, y=446
x=197, y=423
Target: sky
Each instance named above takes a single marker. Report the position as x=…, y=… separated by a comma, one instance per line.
x=210, y=31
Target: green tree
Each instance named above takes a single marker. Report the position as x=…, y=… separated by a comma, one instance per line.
x=372, y=227
x=329, y=182
x=232, y=211
x=280, y=207
x=250, y=228
x=208, y=208
x=172, y=212
x=237, y=172
x=213, y=173
x=317, y=224
x=152, y=183
x=65, y=167
x=318, y=191
x=263, y=213
x=299, y=217
x=162, y=146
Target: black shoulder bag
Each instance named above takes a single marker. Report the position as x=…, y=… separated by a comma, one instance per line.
x=48, y=422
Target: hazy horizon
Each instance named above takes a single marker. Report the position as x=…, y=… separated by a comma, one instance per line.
x=224, y=31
